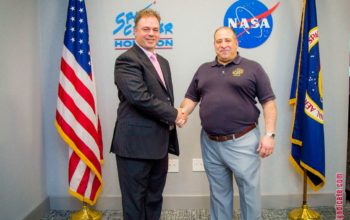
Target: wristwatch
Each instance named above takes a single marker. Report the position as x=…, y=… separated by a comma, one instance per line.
x=270, y=134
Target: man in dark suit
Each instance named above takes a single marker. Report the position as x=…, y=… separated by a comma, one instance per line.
x=145, y=129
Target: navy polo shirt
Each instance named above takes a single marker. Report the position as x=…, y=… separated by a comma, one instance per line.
x=227, y=94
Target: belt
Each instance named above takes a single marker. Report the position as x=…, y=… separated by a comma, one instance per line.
x=221, y=138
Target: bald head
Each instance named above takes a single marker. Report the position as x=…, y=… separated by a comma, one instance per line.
x=225, y=28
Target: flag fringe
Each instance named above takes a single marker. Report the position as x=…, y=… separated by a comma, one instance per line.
x=300, y=170
x=85, y=199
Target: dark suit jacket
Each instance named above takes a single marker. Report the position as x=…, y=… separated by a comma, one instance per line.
x=145, y=110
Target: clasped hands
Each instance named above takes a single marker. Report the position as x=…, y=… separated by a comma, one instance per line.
x=181, y=118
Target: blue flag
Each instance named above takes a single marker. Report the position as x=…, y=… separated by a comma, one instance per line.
x=307, y=135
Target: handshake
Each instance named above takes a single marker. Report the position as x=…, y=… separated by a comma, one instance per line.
x=182, y=117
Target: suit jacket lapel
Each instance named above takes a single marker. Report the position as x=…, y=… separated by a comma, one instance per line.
x=166, y=75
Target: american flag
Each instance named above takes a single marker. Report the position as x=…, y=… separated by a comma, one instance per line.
x=77, y=118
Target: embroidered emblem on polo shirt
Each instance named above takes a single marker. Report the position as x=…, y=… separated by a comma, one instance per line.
x=237, y=72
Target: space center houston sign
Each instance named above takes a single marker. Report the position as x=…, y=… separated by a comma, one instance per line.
x=250, y=19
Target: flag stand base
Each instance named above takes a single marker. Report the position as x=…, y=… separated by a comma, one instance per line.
x=86, y=213
x=303, y=213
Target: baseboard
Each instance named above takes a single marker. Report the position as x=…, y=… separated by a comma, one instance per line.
x=198, y=202
x=40, y=211
x=292, y=201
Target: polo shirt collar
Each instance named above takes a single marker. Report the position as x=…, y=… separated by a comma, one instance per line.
x=235, y=61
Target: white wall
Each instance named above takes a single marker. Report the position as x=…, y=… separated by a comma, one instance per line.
x=22, y=175
x=194, y=22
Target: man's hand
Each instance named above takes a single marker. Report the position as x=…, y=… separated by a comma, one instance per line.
x=266, y=146
x=181, y=118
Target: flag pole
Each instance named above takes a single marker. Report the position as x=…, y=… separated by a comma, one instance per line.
x=86, y=213
x=304, y=213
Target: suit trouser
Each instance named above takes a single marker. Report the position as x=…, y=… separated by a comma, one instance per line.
x=233, y=157
x=142, y=182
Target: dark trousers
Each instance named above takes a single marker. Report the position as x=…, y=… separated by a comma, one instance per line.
x=142, y=182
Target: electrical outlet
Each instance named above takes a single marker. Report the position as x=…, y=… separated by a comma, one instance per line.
x=173, y=165
x=197, y=164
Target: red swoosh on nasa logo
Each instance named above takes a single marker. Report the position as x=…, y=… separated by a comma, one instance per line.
x=266, y=13
x=263, y=15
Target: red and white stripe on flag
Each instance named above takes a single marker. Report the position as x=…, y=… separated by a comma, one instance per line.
x=77, y=119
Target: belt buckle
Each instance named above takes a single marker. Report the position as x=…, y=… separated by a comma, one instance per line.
x=228, y=137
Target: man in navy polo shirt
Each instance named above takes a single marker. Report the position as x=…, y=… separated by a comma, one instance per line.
x=227, y=89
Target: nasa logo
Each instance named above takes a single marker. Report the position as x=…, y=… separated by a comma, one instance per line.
x=124, y=38
x=251, y=20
